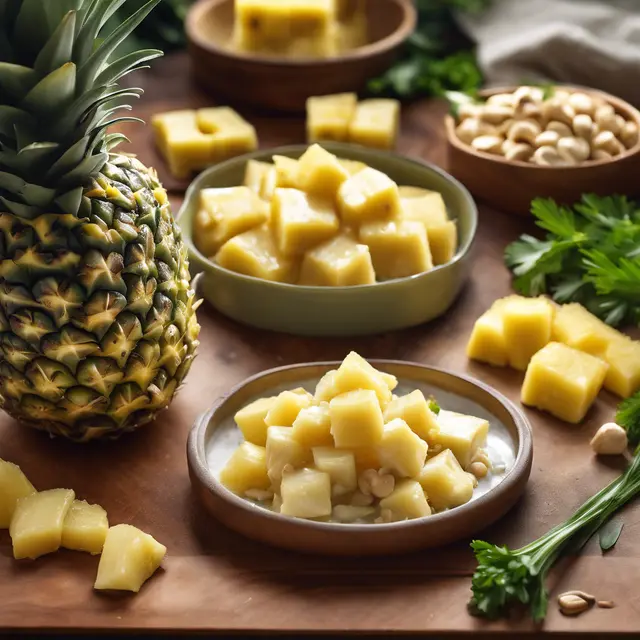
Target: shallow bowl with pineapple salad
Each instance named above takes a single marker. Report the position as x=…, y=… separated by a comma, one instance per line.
x=384, y=456
x=359, y=241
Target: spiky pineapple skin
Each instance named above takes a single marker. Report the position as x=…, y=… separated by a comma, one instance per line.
x=97, y=320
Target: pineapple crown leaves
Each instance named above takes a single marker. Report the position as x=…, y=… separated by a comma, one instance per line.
x=58, y=96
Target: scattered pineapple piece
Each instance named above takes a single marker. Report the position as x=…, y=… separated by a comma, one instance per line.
x=231, y=136
x=286, y=407
x=407, y=501
x=328, y=117
x=391, y=380
x=85, y=528
x=415, y=411
x=376, y=123
x=13, y=486
x=246, y=469
x=574, y=326
x=401, y=450
x=356, y=419
x=306, y=494
x=367, y=196
x=445, y=482
x=341, y=467
x=326, y=388
x=312, y=426
x=129, y=558
x=355, y=373
x=282, y=450
x=254, y=174
x=287, y=172
x=366, y=458
x=623, y=375
x=251, y=420
x=563, y=381
x=36, y=526
x=269, y=183
x=352, y=166
x=321, y=173
x=462, y=434
x=487, y=342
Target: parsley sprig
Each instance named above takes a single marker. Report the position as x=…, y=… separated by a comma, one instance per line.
x=628, y=417
x=590, y=255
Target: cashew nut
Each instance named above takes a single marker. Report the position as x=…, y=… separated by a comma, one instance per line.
x=471, y=128
x=629, y=134
x=503, y=129
x=502, y=99
x=524, y=131
x=549, y=157
x=376, y=483
x=518, y=151
x=528, y=94
x=610, y=439
x=469, y=110
x=581, y=103
x=488, y=144
x=600, y=154
x=607, y=141
x=583, y=126
x=359, y=499
x=605, y=117
x=574, y=149
x=478, y=469
x=547, y=139
x=557, y=110
x=561, y=128
x=496, y=113
x=572, y=605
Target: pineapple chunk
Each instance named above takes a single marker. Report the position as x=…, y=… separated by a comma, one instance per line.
x=246, y=469
x=321, y=173
x=85, y=528
x=36, y=526
x=326, y=388
x=375, y=123
x=414, y=410
x=328, y=117
x=13, y=486
x=254, y=253
x=287, y=172
x=286, y=407
x=398, y=249
x=352, y=166
x=231, y=135
x=356, y=419
x=251, y=420
x=312, y=427
x=366, y=458
x=340, y=262
x=487, y=342
x=527, y=328
x=254, y=174
x=391, y=380
x=306, y=494
x=445, y=482
x=406, y=502
x=301, y=222
x=268, y=186
x=282, y=450
x=356, y=373
x=129, y=558
x=367, y=196
x=341, y=467
x=464, y=435
x=443, y=241
x=401, y=450
x=563, y=381
x=623, y=376
x=574, y=326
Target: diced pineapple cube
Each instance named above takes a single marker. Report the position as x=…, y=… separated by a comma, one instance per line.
x=341, y=467
x=286, y=407
x=366, y=458
x=254, y=253
x=356, y=419
x=326, y=388
x=375, y=123
x=527, y=328
x=282, y=450
x=623, y=376
x=287, y=172
x=328, y=117
x=563, y=381
x=415, y=411
x=463, y=434
x=352, y=166
x=487, y=342
x=129, y=558
x=340, y=262
x=229, y=143
x=367, y=196
x=250, y=420
x=347, y=513
x=13, y=486
x=217, y=119
x=391, y=380
x=246, y=469
x=406, y=502
x=312, y=427
x=401, y=450
x=85, y=528
x=321, y=173
x=268, y=186
x=355, y=373
x=443, y=241
x=398, y=249
x=306, y=493
x=445, y=482
x=574, y=326
x=36, y=526
x=301, y=222
x=254, y=174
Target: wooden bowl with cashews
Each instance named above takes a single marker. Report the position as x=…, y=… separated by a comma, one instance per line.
x=520, y=143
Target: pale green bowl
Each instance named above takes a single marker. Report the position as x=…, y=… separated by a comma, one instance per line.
x=336, y=311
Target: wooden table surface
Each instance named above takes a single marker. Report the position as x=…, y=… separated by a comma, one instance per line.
x=216, y=580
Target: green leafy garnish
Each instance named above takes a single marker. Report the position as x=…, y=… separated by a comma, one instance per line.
x=628, y=417
x=434, y=406
x=609, y=534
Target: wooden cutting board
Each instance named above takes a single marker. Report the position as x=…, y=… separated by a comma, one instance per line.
x=215, y=580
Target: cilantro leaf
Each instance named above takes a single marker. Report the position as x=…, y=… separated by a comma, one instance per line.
x=628, y=417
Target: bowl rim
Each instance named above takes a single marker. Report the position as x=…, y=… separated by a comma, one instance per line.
x=461, y=253
x=196, y=456
x=404, y=30
x=617, y=103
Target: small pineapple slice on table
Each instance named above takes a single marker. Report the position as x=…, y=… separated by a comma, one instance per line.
x=103, y=326
x=251, y=420
x=623, y=358
x=13, y=486
x=375, y=123
x=231, y=134
x=369, y=195
x=246, y=469
x=85, y=528
x=320, y=172
x=254, y=174
x=576, y=327
x=445, y=482
x=328, y=117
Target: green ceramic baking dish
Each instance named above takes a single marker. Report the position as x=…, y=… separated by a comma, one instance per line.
x=336, y=311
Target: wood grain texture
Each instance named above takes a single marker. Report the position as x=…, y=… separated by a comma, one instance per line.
x=215, y=580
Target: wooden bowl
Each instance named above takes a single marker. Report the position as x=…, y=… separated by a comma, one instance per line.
x=284, y=84
x=215, y=436
x=511, y=185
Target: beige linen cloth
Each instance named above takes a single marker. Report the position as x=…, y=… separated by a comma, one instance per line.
x=594, y=43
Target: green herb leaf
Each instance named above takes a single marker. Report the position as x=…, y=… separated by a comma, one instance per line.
x=628, y=417
x=609, y=534
x=434, y=406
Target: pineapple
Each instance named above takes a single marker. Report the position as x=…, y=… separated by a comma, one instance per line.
x=97, y=317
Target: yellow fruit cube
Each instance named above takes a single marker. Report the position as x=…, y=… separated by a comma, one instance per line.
x=391, y=380
x=254, y=174
x=356, y=419
x=376, y=123
x=352, y=166
x=366, y=458
x=312, y=427
x=217, y=119
x=355, y=373
x=13, y=486
x=341, y=467
x=269, y=183
x=36, y=526
x=463, y=434
x=398, y=249
x=328, y=117
x=527, y=328
x=340, y=262
x=287, y=172
x=574, y=326
x=443, y=242
x=282, y=450
x=286, y=407
x=367, y=196
x=306, y=493
x=254, y=253
x=129, y=558
x=415, y=411
x=401, y=450
x=326, y=388
x=445, y=482
x=321, y=173
x=487, y=342
x=250, y=420
x=623, y=376
x=406, y=502
x=246, y=469
x=85, y=528
x=301, y=222
x=563, y=381
x=231, y=136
